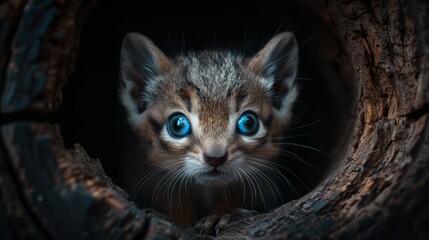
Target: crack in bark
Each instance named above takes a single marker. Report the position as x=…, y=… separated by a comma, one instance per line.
x=418, y=113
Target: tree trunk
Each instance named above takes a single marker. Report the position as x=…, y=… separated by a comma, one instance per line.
x=380, y=187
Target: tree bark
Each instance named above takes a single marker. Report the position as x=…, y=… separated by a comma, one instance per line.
x=379, y=188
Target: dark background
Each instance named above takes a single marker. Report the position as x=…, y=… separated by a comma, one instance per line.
x=92, y=116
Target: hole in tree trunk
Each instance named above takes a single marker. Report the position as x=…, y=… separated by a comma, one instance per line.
x=323, y=112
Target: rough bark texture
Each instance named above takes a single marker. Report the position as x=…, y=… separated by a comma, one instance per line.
x=379, y=188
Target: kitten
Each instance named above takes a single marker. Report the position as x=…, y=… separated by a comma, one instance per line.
x=208, y=123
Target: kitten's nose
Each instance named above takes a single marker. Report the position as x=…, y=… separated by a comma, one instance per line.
x=215, y=159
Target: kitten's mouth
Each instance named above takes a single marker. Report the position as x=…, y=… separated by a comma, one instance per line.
x=214, y=173
x=215, y=177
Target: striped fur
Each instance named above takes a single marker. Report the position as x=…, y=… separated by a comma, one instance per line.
x=212, y=89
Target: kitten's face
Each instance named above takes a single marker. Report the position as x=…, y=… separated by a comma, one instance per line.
x=213, y=116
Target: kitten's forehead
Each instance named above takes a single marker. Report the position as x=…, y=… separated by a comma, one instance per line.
x=213, y=85
x=217, y=74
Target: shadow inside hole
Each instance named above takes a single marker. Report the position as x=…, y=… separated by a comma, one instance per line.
x=93, y=117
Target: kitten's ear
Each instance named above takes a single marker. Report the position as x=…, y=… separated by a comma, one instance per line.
x=141, y=63
x=277, y=65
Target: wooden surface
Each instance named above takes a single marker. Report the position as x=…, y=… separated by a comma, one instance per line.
x=380, y=187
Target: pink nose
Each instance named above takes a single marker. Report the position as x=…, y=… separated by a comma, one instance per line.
x=215, y=159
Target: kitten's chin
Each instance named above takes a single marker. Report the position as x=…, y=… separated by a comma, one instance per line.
x=214, y=178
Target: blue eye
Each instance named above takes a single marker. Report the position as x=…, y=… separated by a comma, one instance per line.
x=248, y=124
x=178, y=126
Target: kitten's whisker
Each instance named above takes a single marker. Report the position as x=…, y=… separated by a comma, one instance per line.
x=140, y=184
x=257, y=182
x=186, y=181
x=182, y=178
x=209, y=195
x=172, y=174
x=170, y=191
x=290, y=154
x=299, y=159
x=269, y=183
x=308, y=39
x=286, y=169
x=242, y=185
x=280, y=27
x=134, y=144
x=303, y=126
x=252, y=188
x=225, y=195
x=307, y=147
x=124, y=155
x=147, y=175
x=274, y=170
x=176, y=178
x=300, y=135
x=128, y=169
x=166, y=178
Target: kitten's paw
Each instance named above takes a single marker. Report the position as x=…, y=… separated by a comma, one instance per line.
x=241, y=213
x=213, y=225
x=207, y=225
